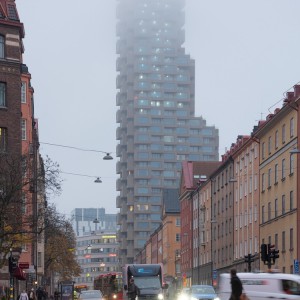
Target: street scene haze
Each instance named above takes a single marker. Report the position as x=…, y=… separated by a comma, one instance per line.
x=149, y=149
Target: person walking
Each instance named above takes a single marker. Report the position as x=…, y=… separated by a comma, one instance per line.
x=23, y=296
x=31, y=294
x=236, y=286
x=133, y=290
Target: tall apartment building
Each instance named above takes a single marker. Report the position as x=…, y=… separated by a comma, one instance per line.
x=156, y=116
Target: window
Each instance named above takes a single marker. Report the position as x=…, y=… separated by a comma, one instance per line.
x=263, y=150
x=291, y=200
x=23, y=129
x=292, y=127
x=292, y=164
x=255, y=213
x=276, y=139
x=250, y=215
x=291, y=239
x=269, y=178
x=269, y=144
x=263, y=214
x=2, y=94
x=24, y=206
x=269, y=211
x=3, y=139
x=276, y=208
x=276, y=174
x=283, y=241
x=283, y=170
x=23, y=92
x=39, y=259
x=2, y=46
x=177, y=237
x=283, y=133
x=283, y=204
x=263, y=182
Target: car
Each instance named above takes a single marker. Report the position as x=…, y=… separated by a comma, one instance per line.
x=263, y=286
x=91, y=294
x=207, y=292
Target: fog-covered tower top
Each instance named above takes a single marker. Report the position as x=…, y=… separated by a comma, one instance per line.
x=157, y=124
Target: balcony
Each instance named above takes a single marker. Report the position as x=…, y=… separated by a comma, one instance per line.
x=118, y=204
x=118, y=167
x=119, y=149
x=119, y=184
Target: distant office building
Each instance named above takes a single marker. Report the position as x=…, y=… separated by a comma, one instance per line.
x=96, y=243
x=89, y=220
x=96, y=254
x=156, y=116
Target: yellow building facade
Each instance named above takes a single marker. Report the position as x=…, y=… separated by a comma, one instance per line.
x=278, y=186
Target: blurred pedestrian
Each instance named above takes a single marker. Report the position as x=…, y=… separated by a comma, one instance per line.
x=236, y=286
x=23, y=296
x=31, y=294
x=133, y=290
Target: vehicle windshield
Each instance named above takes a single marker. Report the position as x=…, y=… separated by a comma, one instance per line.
x=202, y=290
x=147, y=282
x=90, y=294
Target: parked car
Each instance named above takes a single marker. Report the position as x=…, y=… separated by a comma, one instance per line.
x=199, y=292
x=90, y=295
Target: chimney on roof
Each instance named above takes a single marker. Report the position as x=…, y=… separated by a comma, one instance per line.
x=276, y=110
x=297, y=90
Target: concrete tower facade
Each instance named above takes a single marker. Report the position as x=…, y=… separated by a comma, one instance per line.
x=156, y=116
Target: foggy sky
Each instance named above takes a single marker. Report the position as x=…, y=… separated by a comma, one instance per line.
x=246, y=53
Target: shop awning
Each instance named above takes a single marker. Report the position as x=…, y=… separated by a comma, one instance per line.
x=19, y=274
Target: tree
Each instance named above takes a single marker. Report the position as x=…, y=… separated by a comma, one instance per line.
x=60, y=243
x=22, y=181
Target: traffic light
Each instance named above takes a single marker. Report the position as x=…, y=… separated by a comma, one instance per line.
x=264, y=252
x=12, y=264
x=249, y=259
x=271, y=248
x=275, y=255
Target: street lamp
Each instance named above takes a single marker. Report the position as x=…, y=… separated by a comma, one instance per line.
x=98, y=180
x=107, y=157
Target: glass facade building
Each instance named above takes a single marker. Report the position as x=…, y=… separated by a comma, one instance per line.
x=157, y=126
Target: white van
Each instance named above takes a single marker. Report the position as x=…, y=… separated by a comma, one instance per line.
x=262, y=286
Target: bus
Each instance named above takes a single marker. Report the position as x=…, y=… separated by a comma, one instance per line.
x=148, y=278
x=110, y=285
x=80, y=287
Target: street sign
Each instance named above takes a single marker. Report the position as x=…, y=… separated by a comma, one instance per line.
x=296, y=266
x=215, y=274
x=24, y=265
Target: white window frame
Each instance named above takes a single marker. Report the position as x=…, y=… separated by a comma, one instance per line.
x=24, y=129
x=23, y=92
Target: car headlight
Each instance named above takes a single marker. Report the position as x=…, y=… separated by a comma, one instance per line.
x=115, y=296
x=193, y=298
x=216, y=298
x=160, y=296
